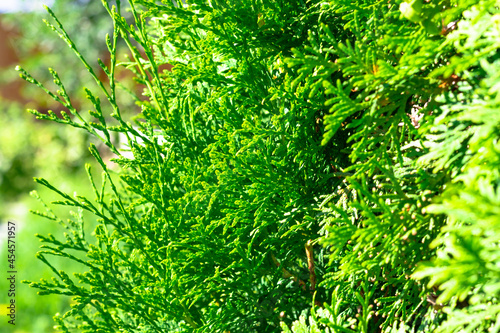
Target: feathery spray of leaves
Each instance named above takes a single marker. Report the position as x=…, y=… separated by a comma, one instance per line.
x=282, y=167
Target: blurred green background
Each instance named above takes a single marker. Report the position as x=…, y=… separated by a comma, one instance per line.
x=33, y=148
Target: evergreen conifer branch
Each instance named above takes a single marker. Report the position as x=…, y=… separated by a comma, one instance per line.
x=304, y=166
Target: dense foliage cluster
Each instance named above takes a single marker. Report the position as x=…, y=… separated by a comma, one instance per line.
x=305, y=166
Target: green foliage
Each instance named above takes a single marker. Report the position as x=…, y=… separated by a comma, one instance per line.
x=36, y=47
x=466, y=265
x=31, y=148
x=24, y=152
x=299, y=160
x=24, y=147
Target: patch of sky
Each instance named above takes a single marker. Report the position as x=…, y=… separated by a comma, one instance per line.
x=11, y=6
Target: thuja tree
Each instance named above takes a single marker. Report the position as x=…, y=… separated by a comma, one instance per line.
x=305, y=166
